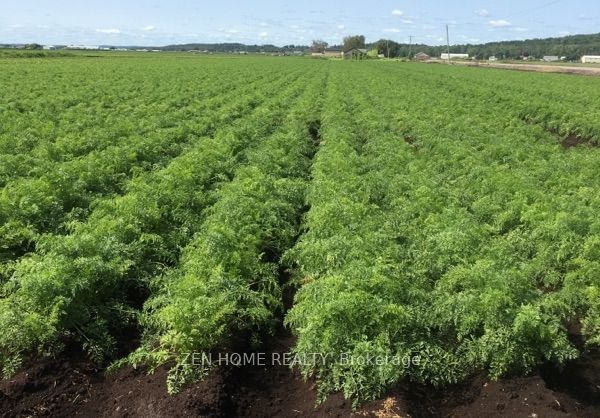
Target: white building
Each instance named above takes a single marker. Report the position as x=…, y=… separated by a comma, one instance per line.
x=590, y=59
x=82, y=47
x=445, y=56
x=550, y=58
x=493, y=58
x=49, y=47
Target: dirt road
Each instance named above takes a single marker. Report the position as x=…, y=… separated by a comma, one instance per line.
x=593, y=71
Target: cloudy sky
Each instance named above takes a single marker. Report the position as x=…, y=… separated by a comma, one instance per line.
x=161, y=22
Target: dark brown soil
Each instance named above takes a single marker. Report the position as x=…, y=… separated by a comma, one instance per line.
x=412, y=141
x=576, y=141
x=69, y=386
x=570, y=141
x=530, y=396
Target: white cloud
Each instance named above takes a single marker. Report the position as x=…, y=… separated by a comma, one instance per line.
x=341, y=27
x=148, y=28
x=392, y=30
x=263, y=24
x=263, y=35
x=500, y=23
x=16, y=26
x=520, y=29
x=428, y=27
x=564, y=32
x=397, y=12
x=482, y=12
x=407, y=21
x=232, y=31
x=111, y=31
x=440, y=39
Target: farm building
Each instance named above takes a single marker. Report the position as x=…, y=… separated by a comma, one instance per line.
x=493, y=58
x=328, y=53
x=590, y=59
x=445, y=56
x=421, y=56
x=550, y=58
x=355, y=53
x=333, y=53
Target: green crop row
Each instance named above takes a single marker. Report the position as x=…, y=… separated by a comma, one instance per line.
x=447, y=232
x=30, y=206
x=227, y=282
x=81, y=283
x=455, y=233
x=28, y=155
x=71, y=109
x=561, y=104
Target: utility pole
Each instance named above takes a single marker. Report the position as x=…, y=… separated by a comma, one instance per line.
x=448, y=42
x=410, y=46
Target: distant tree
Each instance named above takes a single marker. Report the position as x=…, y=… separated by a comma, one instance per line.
x=356, y=41
x=33, y=46
x=318, y=46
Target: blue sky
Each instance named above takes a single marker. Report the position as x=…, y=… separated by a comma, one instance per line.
x=158, y=22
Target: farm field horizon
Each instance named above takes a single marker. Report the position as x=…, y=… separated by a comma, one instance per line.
x=389, y=237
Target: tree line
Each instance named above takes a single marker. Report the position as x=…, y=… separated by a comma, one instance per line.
x=571, y=47
x=350, y=42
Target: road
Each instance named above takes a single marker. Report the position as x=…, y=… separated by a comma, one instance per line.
x=594, y=71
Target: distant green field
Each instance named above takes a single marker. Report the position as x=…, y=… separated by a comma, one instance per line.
x=443, y=213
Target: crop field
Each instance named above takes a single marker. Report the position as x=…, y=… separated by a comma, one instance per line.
x=424, y=230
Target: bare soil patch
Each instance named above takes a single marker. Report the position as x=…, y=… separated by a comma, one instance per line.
x=575, y=141
x=542, y=68
x=590, y=71
x=70, y=386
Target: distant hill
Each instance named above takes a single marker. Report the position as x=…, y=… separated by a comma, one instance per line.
x=572, y=47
